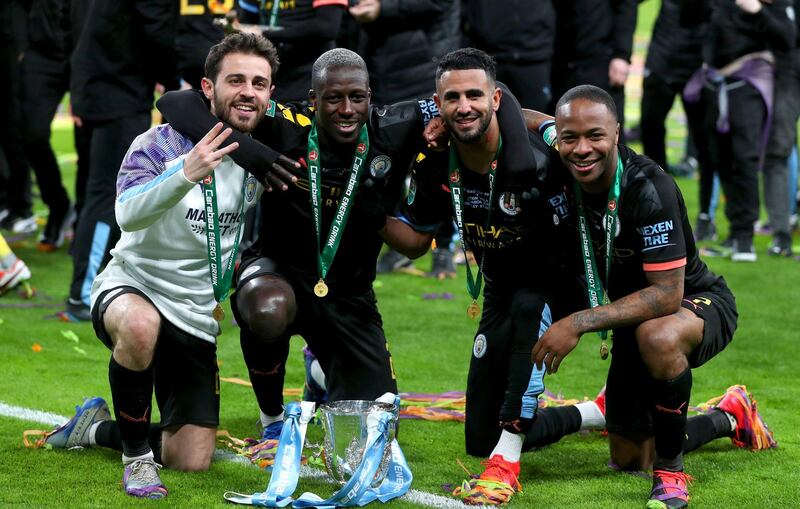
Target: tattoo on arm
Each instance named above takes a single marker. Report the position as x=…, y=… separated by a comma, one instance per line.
x=662, y=297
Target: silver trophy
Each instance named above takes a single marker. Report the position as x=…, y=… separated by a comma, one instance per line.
x=345, y=424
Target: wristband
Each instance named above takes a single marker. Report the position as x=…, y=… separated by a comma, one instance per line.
x=548, y=131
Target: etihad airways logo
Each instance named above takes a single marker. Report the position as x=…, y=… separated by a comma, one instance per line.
x=491, y=237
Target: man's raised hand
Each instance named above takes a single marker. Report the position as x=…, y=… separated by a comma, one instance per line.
x=206, y=155
x=284, y=172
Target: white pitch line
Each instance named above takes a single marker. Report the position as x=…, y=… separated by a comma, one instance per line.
x=414, y=496
x=29, y=414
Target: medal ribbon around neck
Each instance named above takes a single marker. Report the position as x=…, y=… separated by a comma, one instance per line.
x=326, y=254
x=597, y=296
x=456, y=193
x=220, y=282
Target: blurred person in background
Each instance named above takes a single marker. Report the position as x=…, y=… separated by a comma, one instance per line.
x=302, y=30
x=520, y=39
x=121, y=51
x=594, y=41
x=402, y=41
x=46, y=75
x=16, y=202
x=736, y=85
x=782, y=140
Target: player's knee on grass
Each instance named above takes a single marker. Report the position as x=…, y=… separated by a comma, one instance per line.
x=631, y=453
x=661, y=349
x=188, y=448
x=267, y=305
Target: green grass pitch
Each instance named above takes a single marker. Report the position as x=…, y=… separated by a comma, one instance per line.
x=431, y=345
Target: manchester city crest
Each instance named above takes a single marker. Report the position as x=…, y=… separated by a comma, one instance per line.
x=479, y=347
x=380, y=166
x=250, y=187
x=509, y=203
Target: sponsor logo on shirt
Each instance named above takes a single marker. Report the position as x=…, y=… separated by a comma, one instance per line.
x=560, y=207
x=428, y=109
x=656, y=236
x=228, y=221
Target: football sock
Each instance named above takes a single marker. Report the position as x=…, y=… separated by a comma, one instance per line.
x=132, y=394
x=106, y=434
x=266, y=366
x=509, y=446
x=591, y=416
x=317, y=374
x=127, y=459
x=551, y=425
x=704, y=428
x=671, y=402
x=266, y=420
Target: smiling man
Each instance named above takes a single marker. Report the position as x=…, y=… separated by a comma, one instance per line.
x=667, y=311
x=512, y=213
x=311, y=273
x=156, y=305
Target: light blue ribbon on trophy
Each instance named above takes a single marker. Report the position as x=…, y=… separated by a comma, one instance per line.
x=356, y=492
x=286, y=470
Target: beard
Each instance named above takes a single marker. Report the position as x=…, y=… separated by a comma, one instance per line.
x=474, y=134
x=226, y=113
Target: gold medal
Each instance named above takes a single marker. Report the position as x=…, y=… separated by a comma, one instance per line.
x=603, y=350
x=321, y=289
x=218, y=313
x=473, y=310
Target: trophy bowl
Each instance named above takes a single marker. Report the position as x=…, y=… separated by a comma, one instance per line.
x=345, y=424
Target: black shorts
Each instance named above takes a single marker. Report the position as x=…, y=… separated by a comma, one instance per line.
x=185, y=371
x=503, y=384
x=628, y=396
x=343, y=329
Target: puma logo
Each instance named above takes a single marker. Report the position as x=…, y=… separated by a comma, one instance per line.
x=676, y=411
x=144, y=418
x=274, y=371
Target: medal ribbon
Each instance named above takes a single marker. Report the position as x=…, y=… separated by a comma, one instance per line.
x=597, y=296
x=328, y=252
x=220, y=282
x=456, y=194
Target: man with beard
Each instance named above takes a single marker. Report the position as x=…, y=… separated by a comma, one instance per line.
x=180, y=206
x=311, y=272
x=668, y=313
x=357, y=158
x=514, y=221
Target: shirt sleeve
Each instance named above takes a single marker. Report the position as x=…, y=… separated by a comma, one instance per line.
x=427, y=204
x=654, y=206
x=151, y=179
